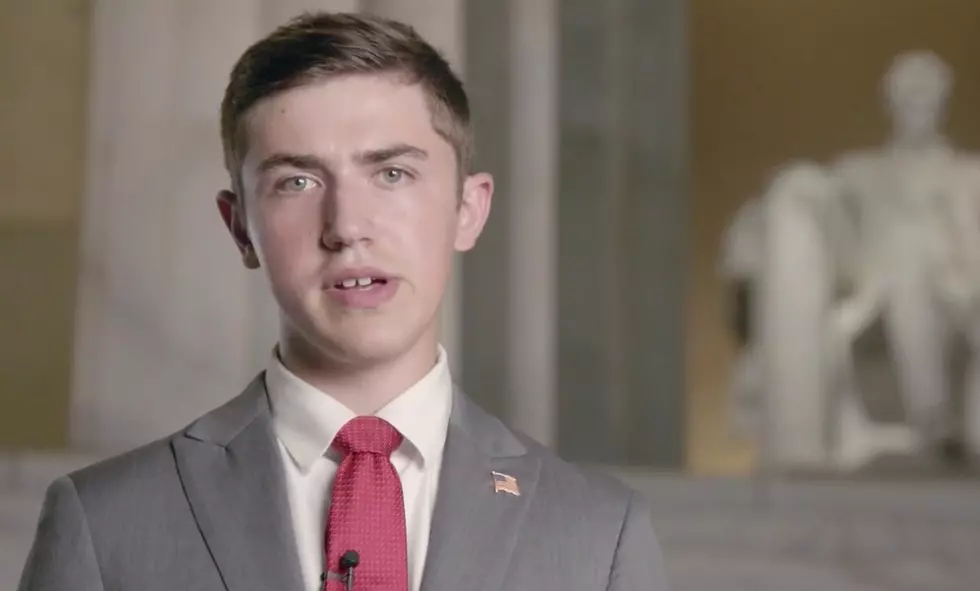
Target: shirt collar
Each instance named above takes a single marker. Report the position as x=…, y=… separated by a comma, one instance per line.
x=307, y=420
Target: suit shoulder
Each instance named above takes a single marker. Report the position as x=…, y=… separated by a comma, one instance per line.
x=124, y=473
x=567, y=487
x=612, y=521
x=155, y=460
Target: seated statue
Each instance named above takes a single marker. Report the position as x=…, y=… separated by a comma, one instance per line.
x=870, y=291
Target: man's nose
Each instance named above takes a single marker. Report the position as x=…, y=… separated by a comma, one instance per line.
x=347, y=219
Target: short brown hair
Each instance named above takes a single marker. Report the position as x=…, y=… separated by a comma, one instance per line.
x=317, y=46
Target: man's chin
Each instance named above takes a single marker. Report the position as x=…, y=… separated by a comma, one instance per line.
x=365, y=348
x=360, y=341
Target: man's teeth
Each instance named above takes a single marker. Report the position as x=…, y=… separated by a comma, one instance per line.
x=359, y=282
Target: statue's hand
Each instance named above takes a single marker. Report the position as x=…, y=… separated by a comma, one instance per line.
x=854, y=314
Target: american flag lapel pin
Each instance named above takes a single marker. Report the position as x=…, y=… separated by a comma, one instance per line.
x=504, y=483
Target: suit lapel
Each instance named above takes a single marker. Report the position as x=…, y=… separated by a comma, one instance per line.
x=231, y=472
x=475, y=529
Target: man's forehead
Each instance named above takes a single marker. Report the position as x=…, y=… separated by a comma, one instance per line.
x=340, y=99
x=369, y=110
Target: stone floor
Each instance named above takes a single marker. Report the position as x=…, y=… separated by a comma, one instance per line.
x=816, y=534
x=731, y=535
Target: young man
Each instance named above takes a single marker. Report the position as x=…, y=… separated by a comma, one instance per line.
x=351, y=461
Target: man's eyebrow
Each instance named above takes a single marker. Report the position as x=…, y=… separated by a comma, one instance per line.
x=388, y=153
x=300, y=161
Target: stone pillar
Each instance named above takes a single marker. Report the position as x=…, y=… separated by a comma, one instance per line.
x=441, y=23
x=485, y=295
x=622, y=222
x=532, y=350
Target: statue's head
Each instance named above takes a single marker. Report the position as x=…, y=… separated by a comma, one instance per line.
x=916, y=88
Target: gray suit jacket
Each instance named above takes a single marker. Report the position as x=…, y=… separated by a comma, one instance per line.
x=206, y=510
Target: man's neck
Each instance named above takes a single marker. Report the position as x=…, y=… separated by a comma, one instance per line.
x=364, y=387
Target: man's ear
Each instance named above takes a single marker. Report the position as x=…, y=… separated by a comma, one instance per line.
x=233, y=215
x=474, y=208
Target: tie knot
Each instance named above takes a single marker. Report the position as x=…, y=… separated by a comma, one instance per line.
x=368, y=435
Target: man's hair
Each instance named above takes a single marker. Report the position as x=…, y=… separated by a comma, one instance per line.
x=315, y=47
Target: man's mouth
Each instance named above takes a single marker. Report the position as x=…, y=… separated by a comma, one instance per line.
x=360, y=283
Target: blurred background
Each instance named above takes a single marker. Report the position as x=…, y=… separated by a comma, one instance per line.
x=634, y=302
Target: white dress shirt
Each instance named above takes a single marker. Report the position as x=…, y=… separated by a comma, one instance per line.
x=306, y=420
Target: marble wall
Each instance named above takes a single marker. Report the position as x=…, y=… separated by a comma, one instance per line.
x=169, y=324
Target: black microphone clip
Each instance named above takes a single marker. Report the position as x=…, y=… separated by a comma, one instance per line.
x=348, y=562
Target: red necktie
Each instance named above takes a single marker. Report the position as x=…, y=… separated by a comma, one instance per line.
x=367, y=509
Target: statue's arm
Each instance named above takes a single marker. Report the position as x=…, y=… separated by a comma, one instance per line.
x=859, y=298
x=965, y=216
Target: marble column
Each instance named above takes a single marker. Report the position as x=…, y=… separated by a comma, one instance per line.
x=622, y=221
x=168, y=324
x=485, y=294
x=509, y=300
x=532, y=350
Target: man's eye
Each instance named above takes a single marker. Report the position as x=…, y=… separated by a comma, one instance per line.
x=297, y=183
x=392, y=176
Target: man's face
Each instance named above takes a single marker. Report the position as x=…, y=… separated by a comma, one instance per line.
x=352, y=205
